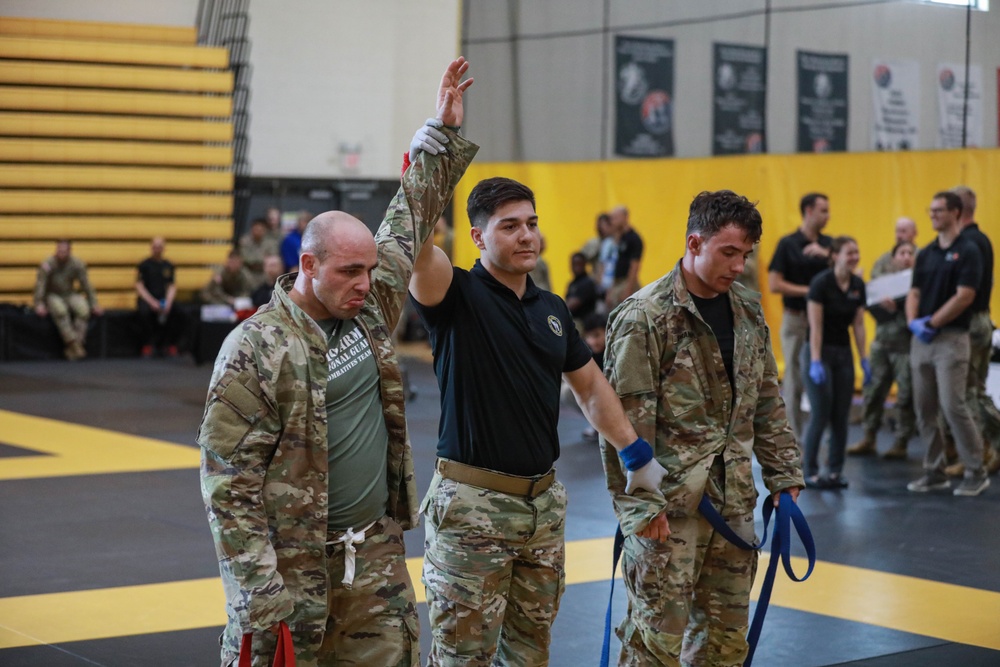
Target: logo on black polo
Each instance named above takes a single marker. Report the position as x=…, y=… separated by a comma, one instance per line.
x=555, y=325
x=951, y=257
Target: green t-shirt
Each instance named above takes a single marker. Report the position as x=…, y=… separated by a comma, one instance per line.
x=357, y=437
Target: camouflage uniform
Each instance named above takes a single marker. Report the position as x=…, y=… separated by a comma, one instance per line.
x=264, y=460
x=226, y=285
x=253, y=255
x=66, y=291
x=890, y=360
x=689, y=597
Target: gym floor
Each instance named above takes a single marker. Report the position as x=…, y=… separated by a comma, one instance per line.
x=106, y=557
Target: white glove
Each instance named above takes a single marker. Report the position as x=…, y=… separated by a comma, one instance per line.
x=647, y=477
x=428, y=139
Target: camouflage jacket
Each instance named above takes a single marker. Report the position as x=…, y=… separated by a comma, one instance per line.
x=891, y=331
x=665, y=364
x=264, y=430
x=225, y=285
x=63, y=279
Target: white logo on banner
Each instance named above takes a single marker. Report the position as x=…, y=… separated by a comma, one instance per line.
x=951, y=105
x=896, y=96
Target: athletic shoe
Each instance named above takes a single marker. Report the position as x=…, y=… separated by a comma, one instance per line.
x=932, y=481
x=972, y=485
x=836, y=481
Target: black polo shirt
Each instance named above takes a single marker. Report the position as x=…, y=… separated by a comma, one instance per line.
x=795, y=266
x=629, y=250
x=985, y=289
x=156, y=275
x=584, y=289
x=939, y=272
x=839, y=307
x=499, y=362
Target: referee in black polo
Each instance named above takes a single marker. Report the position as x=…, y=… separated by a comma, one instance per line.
x=494, y=514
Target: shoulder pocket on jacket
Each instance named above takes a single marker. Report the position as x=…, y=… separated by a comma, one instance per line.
x=229, y=417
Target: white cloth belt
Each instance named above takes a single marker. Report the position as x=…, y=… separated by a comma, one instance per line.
x=349, y=539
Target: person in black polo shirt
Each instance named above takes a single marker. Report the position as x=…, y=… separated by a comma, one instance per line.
x=581, y=294
x=945, y=279
x=836, y=306
x=160, y=323
x=797, y=259
x=494, y=514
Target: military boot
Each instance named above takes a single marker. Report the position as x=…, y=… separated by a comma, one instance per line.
x=897, y=452
x=991, y=460
x=863, y=447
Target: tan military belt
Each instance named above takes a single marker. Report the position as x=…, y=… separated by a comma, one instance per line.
x=531, y=487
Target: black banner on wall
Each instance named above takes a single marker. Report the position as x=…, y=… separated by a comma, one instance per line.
x=822, y=96
x=644, y=100
x=738, y=99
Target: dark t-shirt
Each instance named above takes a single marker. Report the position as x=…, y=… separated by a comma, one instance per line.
x=156, y=275
x=584, y=289
x=839, y=307
x=939, y=272
x=718, y=314
x=499, y=362
x=629, y=250
x=795, y=266
x=985, y=289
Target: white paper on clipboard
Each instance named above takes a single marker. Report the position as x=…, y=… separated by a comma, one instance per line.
x=891, y=286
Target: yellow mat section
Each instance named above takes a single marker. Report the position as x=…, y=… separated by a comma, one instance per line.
x=917, y=606
x=70, y=449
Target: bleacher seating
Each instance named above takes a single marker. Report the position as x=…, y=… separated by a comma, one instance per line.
x=111, y=134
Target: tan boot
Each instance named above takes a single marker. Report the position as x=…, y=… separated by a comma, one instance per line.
x=72, y=351
x=897, y=452
x=955, y=470
x=863, y=447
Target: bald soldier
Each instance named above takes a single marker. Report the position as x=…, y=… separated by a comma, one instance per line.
x=307, y=472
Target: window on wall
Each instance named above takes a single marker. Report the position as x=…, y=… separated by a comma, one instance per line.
x=981, y=5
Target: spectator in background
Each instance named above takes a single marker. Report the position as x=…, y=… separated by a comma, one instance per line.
x=836, y=307
x=159, y=321
x=946, y=276
x=293, y=242
x=272, y=271
x=63, y=290
x=273, y=217
x=540, y=274
x=890, y=360
x=581, y=294
x=750, y=278
x=444, y=237
x=906, y=232
x=627, y=260
x=799, y=257
x=592, y=248
x=254, y=246
x=228, y=283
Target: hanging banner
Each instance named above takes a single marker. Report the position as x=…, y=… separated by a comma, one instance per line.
x=822, y=94
x=644, y=103
x=738, y=99
x=952, y=106
x=896, y=96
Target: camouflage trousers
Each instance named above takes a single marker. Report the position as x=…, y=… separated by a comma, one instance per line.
x=794, y=329
x=688, y=597
x=70, y=314
x=372, y=622
x=984, y=410
x=494, y=572
x=889, y=366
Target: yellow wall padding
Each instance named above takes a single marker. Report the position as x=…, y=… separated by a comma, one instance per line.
x=17, y=124
x=17, y=98
x=70, y=177
x=114, y=203
x=166, y=55
x=30, y=73
x=867, y=191
x=33, y=253
x=22, y=279
x=35, y=227
x=108, y=32
x=113, y=152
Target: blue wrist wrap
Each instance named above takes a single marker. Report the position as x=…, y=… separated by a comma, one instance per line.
x=636, y=455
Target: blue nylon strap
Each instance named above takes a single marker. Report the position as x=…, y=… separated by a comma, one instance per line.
x=788, y=514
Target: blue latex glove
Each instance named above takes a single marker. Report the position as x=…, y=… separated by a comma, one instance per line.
x=816, y=372
x=867, y=368
x=923, y=330
x=428, y=139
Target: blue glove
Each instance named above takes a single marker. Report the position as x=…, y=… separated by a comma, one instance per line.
x=923, y=330
x=867, y=368
x=428, y=139
x=816, y=372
